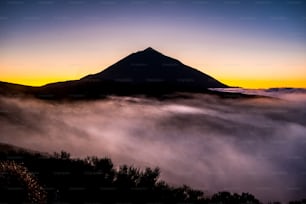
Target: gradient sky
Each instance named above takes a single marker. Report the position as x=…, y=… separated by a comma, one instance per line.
x=252, y=44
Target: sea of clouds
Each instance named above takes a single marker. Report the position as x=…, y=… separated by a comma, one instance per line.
x=255, y=145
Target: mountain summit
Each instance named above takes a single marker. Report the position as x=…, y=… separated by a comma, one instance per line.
x=150, y=66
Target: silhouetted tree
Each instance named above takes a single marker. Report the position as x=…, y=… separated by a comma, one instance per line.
x=62, y=155
x=303, y=201
x=228, y=198
x=148, y=178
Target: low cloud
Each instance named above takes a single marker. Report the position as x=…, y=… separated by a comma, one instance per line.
x=249, y=145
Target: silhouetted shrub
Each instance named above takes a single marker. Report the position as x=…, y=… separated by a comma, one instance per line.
x=228, y=198
x=19, y=185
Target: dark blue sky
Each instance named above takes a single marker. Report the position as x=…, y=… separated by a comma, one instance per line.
x=270, y=16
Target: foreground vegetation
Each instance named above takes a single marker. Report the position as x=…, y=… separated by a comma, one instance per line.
x=36, y=178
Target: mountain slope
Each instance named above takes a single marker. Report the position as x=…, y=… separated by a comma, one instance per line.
x=10, y=89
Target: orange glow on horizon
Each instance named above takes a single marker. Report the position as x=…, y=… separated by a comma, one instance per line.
x=36, y=81
x=265, y=83
x=235, y=82
x=56, y=66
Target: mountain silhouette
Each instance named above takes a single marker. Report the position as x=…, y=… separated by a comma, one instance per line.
x=150, y=66
x=147, y=72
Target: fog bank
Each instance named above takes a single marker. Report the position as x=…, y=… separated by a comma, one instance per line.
x=250, y=145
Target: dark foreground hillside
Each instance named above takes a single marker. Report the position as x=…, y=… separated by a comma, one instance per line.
x=36, y=178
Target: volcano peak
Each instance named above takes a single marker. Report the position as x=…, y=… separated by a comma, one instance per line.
x=149, y=49
x=150, y=68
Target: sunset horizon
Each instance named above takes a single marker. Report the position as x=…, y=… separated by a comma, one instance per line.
x=255, y=83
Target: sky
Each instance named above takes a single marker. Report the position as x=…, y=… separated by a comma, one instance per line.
x=251, y=44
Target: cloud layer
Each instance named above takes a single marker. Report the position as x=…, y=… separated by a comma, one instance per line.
x=250, y=145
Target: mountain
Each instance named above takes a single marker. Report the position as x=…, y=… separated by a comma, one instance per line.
x=150, y=66
x=12, y=89
x=146, y=72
